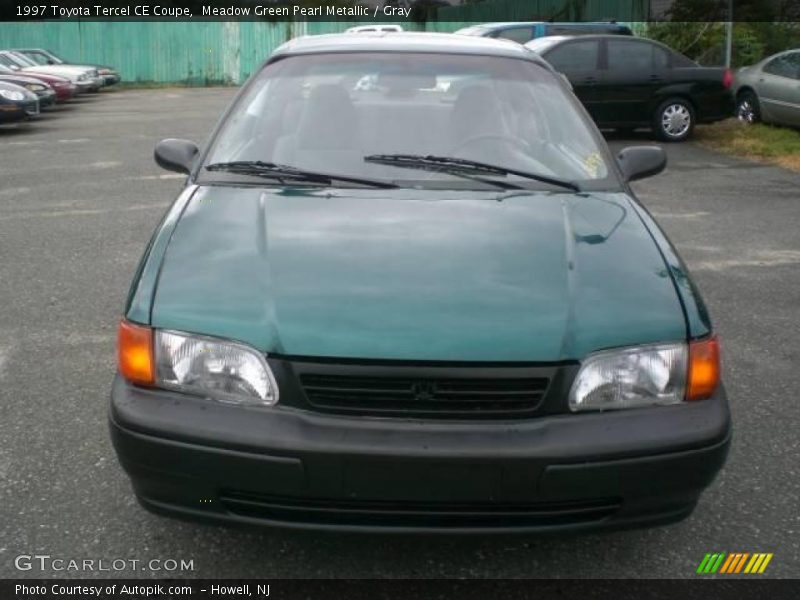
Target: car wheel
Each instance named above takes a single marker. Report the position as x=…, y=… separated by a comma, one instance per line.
x=748, y=109
x=674, y=120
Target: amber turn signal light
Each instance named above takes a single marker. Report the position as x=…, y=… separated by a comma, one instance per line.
x=135, y=353
x=704, y=369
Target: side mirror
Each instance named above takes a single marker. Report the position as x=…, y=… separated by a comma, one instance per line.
x=176, y=155
x=638, y=162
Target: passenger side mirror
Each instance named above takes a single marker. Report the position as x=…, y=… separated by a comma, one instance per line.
x=176, y=155
x=639, y=162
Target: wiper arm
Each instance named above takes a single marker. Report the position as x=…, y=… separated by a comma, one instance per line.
x=269, y=170
x=462, y=166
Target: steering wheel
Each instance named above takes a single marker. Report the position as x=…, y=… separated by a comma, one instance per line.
x=519, y=143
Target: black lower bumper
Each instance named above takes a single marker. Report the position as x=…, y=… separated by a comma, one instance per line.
x=202, y=460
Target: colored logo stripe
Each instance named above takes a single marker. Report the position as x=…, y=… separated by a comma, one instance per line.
x=735, y=562
x=711, y=563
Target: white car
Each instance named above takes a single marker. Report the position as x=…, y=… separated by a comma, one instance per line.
x=375, y=28
x=85, y=79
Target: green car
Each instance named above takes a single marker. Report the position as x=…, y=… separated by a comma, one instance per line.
x=408, y=288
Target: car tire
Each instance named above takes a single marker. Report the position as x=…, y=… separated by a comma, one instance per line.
x=674, y=120
x=748, y=109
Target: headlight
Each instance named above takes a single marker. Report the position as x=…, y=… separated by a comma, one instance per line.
x=35, y=87
x=12, y=95
x=631, y=377
x=83, y=77
x=224, y=371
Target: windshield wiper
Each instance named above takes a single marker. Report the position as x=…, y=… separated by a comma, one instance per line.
x=464, y=167
x=284, y=173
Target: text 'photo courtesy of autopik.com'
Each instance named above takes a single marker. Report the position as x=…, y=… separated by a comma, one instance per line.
x=399, y=299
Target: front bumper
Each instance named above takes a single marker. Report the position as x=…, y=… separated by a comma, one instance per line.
x=199, y=459
x=10, y=113
x=32, y=108
x=47, y=99
x=87, y=86
x=66, y=92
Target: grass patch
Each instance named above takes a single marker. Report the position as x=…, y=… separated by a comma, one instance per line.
x=764, y=143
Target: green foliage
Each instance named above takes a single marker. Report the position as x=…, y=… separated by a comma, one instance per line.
x=705, y=41
x=696, y=28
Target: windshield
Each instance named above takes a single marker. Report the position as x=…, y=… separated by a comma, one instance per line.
x=9, y=61
x=37, y=57
x=334, y=113
x=23, y=60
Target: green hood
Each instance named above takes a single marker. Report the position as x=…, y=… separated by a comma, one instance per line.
x=416, y=275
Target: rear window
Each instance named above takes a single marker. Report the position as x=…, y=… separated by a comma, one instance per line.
x=680, y=61
x=516, y=34
x=566, y=29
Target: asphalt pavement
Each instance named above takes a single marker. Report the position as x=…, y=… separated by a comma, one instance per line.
x=79, y=198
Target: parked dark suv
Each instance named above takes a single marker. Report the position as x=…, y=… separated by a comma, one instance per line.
x=626, y=83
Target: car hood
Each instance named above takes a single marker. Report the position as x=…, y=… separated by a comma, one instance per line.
x=22, y=80
x=416, y=275
x=68, y=72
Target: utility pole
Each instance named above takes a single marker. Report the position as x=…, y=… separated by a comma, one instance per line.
x=729, y=36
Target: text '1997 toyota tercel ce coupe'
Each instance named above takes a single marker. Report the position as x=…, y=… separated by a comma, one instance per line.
x=407, y=288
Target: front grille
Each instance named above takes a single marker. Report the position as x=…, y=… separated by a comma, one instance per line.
x=368, y=513
x=443, y=397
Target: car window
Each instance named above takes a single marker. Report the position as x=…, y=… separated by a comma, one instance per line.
x=794, y=59
x=792, y=65
x=542, y=44
x=37, y=57
x=679, y=61
x=782, y=66
x=566, y=29
x=23, y=60
x=10, y=61
x=630, y=56
x=575, y=56
x=502, y=111
x=516, y=34
x=660, y=58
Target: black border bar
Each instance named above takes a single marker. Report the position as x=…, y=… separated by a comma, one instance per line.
x=700, y=588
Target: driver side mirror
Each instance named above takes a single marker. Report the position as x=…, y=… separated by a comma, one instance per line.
x=639, y=162
x=176, y=155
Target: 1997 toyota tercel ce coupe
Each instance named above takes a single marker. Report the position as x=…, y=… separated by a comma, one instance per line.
x=407, y=287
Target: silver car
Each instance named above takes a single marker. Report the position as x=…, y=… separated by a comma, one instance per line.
x=769, y=91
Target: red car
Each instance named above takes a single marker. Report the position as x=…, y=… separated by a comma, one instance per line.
x=63, y=87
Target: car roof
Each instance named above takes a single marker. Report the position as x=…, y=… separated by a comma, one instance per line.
x=444, y=43
x=598, y=36
x=510, y=24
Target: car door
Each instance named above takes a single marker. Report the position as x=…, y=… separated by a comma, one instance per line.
x=632, y=73
x=778, y=89
x=579, y=60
